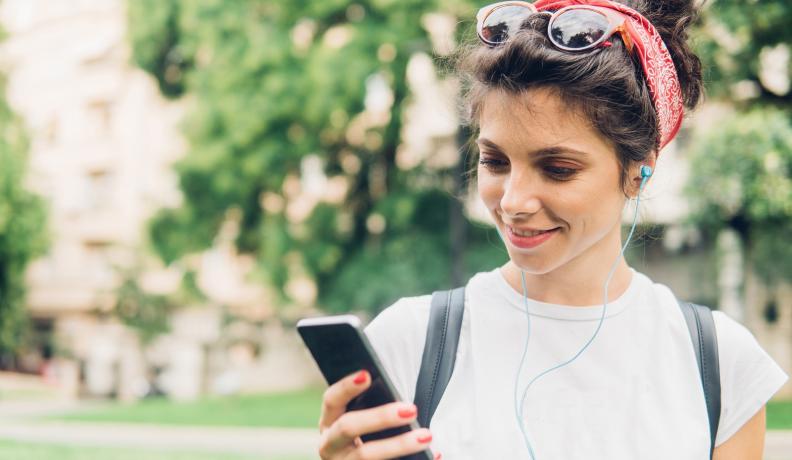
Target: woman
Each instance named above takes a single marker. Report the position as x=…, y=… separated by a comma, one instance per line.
x=569, y=103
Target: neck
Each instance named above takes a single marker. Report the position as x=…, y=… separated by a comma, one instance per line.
x=580, y=281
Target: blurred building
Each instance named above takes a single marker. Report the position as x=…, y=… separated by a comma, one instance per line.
x=103, y=142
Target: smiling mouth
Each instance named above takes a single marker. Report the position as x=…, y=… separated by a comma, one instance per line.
x=530, y=233
x=529, y=239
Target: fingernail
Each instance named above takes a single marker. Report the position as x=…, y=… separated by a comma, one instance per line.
x=360, y=377
x=425, y=438
x=438, y=456
x=407, y=412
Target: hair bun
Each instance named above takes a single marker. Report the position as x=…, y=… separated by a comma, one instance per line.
x=672, y=18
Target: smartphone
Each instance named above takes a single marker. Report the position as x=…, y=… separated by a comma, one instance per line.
x=339, y=346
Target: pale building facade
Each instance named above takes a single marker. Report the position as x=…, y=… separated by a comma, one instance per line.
x=103, y=141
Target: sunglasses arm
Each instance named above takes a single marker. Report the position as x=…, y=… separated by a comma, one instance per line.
x=626, y=32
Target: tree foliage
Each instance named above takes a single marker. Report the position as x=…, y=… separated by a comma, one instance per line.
x=149, y=314
x=22, y=227
x=743, y=167
x=743, y=180
x=277, y=86
x=736, y=41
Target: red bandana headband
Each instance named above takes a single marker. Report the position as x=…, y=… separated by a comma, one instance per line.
x=658, y=67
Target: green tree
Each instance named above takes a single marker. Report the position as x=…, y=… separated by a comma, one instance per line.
x=22, y=228
x=278, y=86
x=746, y=164
x=737, y=42
x=149, y=314
x=743, y=166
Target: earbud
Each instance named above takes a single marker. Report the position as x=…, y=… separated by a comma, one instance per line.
x=646, y=173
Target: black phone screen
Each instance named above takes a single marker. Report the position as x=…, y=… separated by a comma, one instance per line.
x=341, y=349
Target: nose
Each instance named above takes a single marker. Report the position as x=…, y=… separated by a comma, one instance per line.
x=521, y=194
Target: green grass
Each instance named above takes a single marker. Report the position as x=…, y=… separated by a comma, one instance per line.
x=299, y=409
x=37, y=451
x=779, y=415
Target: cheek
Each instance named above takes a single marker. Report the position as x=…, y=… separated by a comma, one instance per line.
x=592, y=209
x=587, y=206
x=490, y=189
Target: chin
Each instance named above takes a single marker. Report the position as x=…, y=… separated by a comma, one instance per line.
x=533, y=265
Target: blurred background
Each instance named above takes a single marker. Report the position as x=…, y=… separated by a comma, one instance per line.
x=181, y=181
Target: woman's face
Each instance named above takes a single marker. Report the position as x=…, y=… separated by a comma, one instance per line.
x=550, y=181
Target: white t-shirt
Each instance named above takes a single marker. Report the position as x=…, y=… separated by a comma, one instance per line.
x=635, y=393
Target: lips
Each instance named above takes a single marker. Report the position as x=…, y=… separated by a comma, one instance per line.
x=529, y=232
x=529, y=238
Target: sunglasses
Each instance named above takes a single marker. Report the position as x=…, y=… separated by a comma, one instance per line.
x=572, y=28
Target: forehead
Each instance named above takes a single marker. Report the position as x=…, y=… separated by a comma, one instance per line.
x=536, y=119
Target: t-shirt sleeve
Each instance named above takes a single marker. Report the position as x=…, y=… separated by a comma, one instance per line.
x=749, y=376
x=397, y=335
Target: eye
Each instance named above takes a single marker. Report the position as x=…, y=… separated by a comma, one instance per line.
x=559, y=172
x=493, y=164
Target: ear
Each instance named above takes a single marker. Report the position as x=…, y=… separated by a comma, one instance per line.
x=635, y=173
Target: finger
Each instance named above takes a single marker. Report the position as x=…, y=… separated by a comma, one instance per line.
x=359, y=422
x=338, y=395
x=404, y=444
x=327, y=452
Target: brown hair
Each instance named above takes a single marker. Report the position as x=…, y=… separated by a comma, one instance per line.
x=606, y=84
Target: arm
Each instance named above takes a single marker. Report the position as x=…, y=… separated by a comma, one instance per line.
x=747, y=443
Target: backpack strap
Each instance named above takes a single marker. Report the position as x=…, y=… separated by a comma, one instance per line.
x=439, y=354
x=705, y=344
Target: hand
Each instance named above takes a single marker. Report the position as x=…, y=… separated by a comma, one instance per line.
x=340, y=430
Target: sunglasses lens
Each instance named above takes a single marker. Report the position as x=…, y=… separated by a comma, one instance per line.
x=578, y=29
x=503, y=23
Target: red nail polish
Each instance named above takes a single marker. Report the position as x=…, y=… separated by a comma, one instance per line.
x=425, y=438
x=407, y=413
x=360, y=377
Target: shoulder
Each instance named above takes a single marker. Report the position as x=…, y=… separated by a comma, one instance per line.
x=738, y=349
x=749, y=376
x=401, y=319
x=740, y=354
x=408, y=315
x=733, y=337
x=397, y=335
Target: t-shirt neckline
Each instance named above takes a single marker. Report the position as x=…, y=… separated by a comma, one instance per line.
x=566, y=312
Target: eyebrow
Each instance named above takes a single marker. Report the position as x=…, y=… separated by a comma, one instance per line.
x=547, y=151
